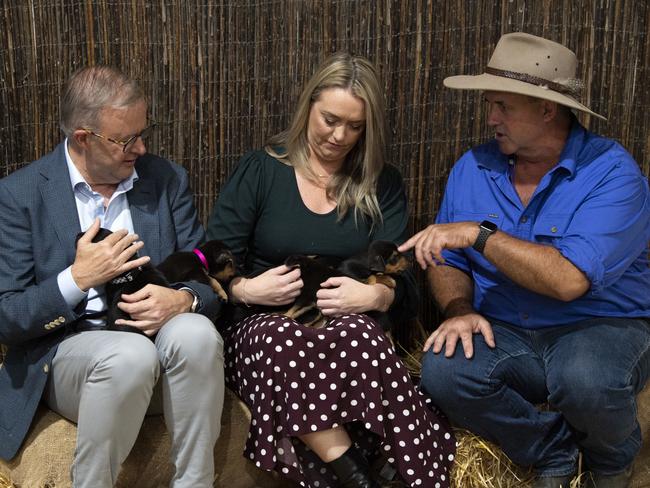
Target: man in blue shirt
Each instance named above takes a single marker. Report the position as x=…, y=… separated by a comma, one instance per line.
x=543, y=233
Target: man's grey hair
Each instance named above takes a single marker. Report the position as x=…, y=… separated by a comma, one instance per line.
x=91, y=89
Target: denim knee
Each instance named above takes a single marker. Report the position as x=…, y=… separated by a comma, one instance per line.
x=441, y=379
x=591, y=400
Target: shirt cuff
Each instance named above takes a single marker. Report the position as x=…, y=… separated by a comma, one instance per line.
x=72, y=294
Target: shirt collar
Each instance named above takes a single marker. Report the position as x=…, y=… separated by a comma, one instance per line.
x=78, y=181
x=499, y=162
x=572, y=148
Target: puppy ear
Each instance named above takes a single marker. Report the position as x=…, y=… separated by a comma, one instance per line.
x=293, y=260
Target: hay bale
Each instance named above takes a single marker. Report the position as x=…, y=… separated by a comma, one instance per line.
x=481, y=463
x=46, y=456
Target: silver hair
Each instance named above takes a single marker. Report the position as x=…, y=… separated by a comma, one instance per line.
x=91, y=89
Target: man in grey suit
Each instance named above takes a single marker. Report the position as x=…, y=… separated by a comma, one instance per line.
x=104, y=380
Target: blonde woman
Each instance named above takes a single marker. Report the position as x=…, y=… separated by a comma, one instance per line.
x=322, y=400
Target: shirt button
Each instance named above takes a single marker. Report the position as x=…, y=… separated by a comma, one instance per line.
x=523, y=220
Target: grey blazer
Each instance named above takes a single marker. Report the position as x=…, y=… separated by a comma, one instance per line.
x=38, y=227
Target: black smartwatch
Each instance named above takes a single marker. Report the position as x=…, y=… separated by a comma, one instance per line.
x=486, y=229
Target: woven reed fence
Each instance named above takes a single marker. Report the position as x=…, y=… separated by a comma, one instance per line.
x=222, y=76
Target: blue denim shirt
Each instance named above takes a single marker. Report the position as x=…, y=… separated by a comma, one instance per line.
x=594, y=207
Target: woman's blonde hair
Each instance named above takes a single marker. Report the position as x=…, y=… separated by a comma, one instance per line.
x=355, y=186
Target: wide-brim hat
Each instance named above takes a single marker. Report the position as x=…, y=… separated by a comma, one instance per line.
x=528, y=65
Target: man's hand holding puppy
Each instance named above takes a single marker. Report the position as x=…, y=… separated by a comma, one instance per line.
x=98, y=262
x=152, y=306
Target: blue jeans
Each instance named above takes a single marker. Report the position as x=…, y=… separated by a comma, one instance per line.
x=589, y=372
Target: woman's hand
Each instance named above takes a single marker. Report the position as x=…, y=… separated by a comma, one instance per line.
x=342, y=295
x=276, y=286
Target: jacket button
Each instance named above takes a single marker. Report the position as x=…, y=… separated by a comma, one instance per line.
x=554, y=229
x=46, y=368
x=61, y=320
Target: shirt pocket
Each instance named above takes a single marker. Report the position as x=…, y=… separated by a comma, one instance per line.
x=465, y=216
x=551, y=228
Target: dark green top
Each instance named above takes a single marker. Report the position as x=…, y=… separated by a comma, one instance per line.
x=261, y=217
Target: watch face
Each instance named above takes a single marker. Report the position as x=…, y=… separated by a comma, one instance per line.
x=491, y=226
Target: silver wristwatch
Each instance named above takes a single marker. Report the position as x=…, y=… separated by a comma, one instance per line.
x=196, y=301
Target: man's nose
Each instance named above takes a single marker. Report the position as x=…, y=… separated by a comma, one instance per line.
x=139, y=147
x=492, y=115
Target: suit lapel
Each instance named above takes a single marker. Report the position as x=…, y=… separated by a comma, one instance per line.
x=143, y=203
x=56, y=191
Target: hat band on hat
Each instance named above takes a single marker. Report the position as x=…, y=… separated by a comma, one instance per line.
x=534, y=80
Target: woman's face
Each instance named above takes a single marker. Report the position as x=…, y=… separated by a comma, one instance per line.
x=336, y=121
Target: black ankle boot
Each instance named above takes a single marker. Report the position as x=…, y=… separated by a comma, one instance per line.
x=352, y=470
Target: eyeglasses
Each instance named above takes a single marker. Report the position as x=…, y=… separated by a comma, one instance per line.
x=128, y=143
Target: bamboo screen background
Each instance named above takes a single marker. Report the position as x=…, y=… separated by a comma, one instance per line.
x=222, y=76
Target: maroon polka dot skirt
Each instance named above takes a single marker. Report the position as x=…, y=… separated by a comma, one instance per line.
x=297, y=380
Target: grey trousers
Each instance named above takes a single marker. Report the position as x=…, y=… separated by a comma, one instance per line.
x=105, y=380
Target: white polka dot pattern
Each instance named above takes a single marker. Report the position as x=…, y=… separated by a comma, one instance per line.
x=296, y=380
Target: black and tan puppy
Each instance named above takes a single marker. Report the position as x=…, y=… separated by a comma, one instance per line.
x=211, y=263
x=313, y=272
x=380, y=263
x=126, y=283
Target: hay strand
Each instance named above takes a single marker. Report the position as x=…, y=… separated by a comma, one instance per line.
x=5, y=482
x=480, y=463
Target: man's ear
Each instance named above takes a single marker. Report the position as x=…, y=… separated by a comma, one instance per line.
x=550, y=110
x=80, y=138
